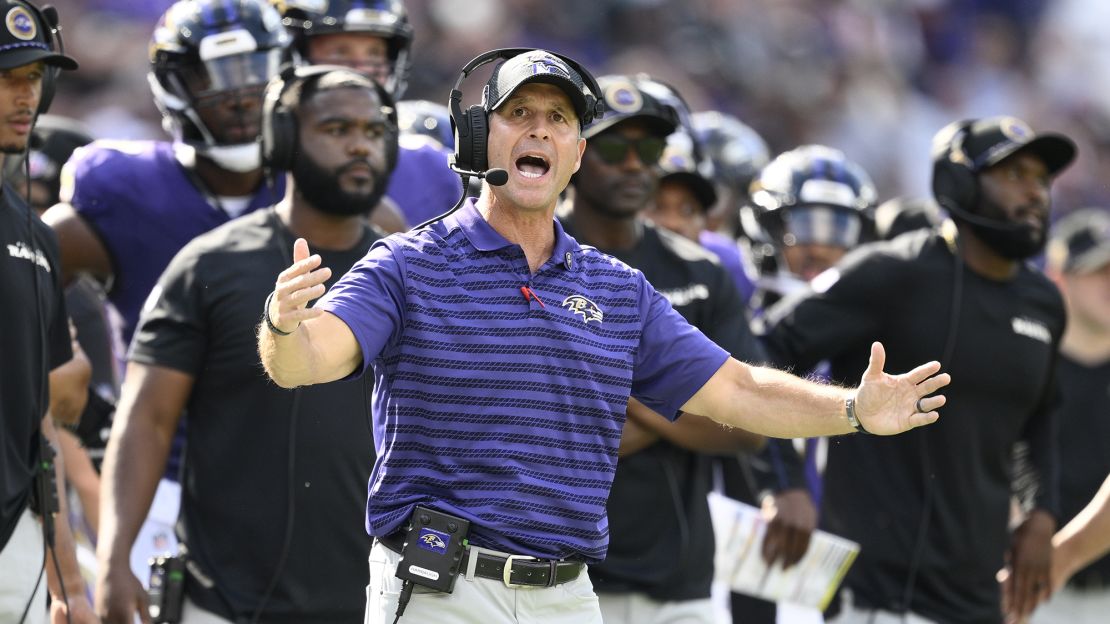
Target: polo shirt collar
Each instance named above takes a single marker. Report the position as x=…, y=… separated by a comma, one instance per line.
x=486, y=239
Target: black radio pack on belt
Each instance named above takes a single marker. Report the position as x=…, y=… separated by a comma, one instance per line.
x=434, y=547
x=167, y=588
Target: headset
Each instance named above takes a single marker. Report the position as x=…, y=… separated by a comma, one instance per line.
x=279, y=132
x=471, y=127
x=47, y=20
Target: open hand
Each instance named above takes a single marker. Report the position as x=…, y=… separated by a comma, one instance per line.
x=302, y=282
x=888, y=404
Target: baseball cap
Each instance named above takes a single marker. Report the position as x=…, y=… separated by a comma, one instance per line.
x=624, y=99
x=24, y=40
x=990, y=140
x=539, y=66
x=1080, y=242
x=681, y=164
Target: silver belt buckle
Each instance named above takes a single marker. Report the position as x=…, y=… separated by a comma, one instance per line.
x=507, y=572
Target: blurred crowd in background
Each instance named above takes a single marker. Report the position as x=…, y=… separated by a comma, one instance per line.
x=875, y=78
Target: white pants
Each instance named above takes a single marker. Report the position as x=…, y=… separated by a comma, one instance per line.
x=156, y=536
x=1074, y=606
x=477, y=601
x=20, y=565
x=192, y=614
x=636, y=608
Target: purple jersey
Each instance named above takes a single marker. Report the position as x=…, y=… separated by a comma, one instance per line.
x=423, y=186
x=500, y=394
x=144, y=207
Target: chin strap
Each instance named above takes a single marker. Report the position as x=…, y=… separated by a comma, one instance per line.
x=239, y=158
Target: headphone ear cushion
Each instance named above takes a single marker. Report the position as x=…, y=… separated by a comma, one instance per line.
x=285, y=139
x=954, y=183
x=46, y=94
x=479, y=134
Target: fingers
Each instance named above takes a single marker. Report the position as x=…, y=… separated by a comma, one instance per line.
x=796, y=547
x=301, y=289
x=299, y=267
x=933, y=384
x=920, y=419
x=773, y=543
x=929, y=404
x=1006, y=581
x=925, y=373
x=300, y=250
x=876, y=362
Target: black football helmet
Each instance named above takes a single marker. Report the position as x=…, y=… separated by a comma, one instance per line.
x=210, y=48
x=384, y=18
x=738, y=152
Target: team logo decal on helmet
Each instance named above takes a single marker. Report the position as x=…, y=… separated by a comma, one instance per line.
x=588, y=310
x=20, y=24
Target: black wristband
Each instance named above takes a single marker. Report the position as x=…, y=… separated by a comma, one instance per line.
x=850, y=410
x=266, y=317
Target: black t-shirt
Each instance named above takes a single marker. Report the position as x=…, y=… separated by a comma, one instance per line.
x=1085, y=442
x=246, y=435
x=1002, y=360
x=34, y=339
x=660, y=533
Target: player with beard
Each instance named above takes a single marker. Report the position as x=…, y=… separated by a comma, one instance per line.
x=128, y=206
x=931, y=509
x=276, y=478
x=376, y=38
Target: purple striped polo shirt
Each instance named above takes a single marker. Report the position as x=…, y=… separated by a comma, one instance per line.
x=503, y=408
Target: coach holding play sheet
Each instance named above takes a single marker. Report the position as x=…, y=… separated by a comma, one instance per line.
x=504, y=355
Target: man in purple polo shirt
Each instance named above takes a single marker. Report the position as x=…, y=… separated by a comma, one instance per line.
x=504, y=356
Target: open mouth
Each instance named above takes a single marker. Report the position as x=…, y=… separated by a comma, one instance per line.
x=532, y=166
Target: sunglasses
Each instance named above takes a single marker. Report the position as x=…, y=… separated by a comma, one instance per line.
x=613, y=149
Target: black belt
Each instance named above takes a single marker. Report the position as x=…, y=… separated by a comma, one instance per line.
x=513, y=570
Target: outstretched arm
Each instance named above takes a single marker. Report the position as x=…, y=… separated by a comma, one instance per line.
x=778, y=404
x=694, y=433
x=302, y=345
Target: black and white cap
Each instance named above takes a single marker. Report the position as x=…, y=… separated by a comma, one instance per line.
x=24, y=39
x=539, y=66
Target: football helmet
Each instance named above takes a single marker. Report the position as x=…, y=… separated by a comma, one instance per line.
x=738, y=152
x=203, y=50
x=387, y=19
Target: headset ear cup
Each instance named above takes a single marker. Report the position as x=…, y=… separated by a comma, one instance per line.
x=954, y=183
x=479, y=134
x=279, y=129
x=49, y=77
x=285, y=139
